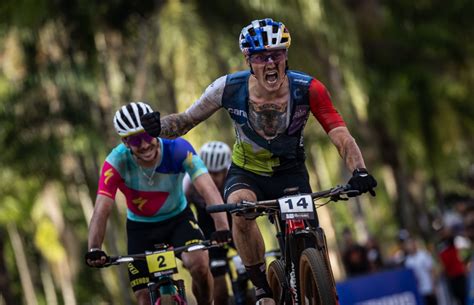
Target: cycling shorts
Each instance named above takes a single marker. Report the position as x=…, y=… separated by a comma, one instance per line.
x=177, y=231
x=218, y=255
x=268, y=187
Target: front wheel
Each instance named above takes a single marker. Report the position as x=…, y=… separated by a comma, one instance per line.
x=276, y=279
x=316, y=284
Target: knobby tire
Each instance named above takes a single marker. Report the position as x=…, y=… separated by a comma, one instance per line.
x=316, y=285
x=276, y=279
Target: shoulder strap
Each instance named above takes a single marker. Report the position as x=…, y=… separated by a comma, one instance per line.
x=235, y=96
x=299, y=87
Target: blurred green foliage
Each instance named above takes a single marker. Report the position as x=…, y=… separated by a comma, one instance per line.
x=401, y=74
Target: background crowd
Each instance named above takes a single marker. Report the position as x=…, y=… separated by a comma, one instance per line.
x=442, y=263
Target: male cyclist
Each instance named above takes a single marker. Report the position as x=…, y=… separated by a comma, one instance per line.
x=149, y=171
x=269, y=106
x=217, y=158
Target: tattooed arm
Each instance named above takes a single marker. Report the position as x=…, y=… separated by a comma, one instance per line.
x=347, y=147
x=178, y=124
x=175, y=125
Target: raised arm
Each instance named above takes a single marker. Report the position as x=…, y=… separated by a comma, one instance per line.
x=178, y=124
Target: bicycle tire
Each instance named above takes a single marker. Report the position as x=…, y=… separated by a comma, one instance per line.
x=276, y=279
x=316, y=285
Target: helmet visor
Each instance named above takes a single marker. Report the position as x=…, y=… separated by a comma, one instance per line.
x=263, y=57
x=136, y=139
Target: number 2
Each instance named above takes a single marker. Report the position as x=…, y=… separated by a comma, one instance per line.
x=161, y=261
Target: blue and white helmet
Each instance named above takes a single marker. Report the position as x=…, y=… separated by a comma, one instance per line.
x=262, y=35
x=127, y=119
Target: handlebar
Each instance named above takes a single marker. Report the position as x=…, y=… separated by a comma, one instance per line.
x=116, y=260
x=334, y=194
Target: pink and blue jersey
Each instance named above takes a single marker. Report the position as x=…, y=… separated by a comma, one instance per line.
x=158, y=198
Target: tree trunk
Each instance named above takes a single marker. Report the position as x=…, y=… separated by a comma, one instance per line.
x=48, y=284
x=5, y=279
x=22, y=265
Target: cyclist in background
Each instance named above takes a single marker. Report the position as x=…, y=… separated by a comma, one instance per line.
x=149, y=171
x=269, y=106
x=217, y=158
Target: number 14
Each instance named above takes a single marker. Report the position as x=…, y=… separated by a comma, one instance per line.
x=300, y=203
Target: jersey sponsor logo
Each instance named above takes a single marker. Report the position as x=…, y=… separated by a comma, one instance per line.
x=300, y=112
x=192, y=241
x=139, y=202
x=297, y=93
x=141, y=280
x=300, y=80
x=132, y=269
x=189, y=160
x=237, y=112
x=108, y=174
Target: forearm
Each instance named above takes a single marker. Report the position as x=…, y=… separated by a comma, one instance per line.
x=176, y=125
x=347, y=147
x=98, y=224
x=96, y=233
x=208, y=190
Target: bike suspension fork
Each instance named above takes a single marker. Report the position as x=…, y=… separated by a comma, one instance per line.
x=293, y=250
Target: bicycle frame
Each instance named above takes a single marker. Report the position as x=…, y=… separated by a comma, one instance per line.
x=298, y=235
x=163, y=284
x=293, y=235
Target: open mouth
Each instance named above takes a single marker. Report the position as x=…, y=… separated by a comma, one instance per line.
x=271, y=77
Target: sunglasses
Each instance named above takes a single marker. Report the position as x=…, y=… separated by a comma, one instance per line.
x=136, y=139
x=261, y=58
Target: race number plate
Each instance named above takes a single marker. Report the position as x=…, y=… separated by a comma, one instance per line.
x=162, y=263
x=296, y=207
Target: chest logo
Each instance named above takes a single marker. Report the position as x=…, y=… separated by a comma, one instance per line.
x=189, y=160
x=237, y=112
x=139, y=202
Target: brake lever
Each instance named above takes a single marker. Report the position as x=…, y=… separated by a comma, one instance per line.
x=352, y=193
x=338, y=197
x=109, y=262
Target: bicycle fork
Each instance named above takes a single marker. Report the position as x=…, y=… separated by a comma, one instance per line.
x=298, y=240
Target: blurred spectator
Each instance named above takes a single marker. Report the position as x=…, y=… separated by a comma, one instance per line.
x=374, y=254
x=422, y=264
x=397, y=259
x=354, y=256
x=469, y=223
x=454, y=268
x=469, y=232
